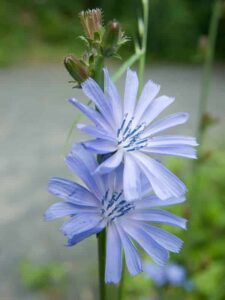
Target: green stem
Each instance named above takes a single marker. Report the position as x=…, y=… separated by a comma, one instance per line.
x=145, y=4
x=121, y=285
x=101, y=263
x=135, y=57
x=208, y=66
x=160, y=293
x=99, y=78
x=98, y=74
x=195, y=206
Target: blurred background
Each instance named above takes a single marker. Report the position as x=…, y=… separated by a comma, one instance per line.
x=35, y=119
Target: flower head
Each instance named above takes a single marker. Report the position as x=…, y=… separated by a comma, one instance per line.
x=91, y=21
x=172, y=273
x=127, y=131
x=77, y=68
x=102, y=204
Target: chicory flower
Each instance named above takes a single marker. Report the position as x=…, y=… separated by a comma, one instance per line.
x=127, y=131
x=102, y=204
x=171, y=273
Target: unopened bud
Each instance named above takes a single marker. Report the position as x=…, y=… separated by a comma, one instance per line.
x=77, y=68
x=111, y=38
x=91, y=21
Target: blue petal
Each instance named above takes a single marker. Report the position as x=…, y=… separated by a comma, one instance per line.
x=164, y=183
x=159, y=216
x=137, y=231
x=96, y=132
x=114, y=180
x=111, y=163
x=82, y=222
x=100, y=146
x=171, y=140
x=88, y=159
x=62, y=209
x=149, y=92
x=92, y=114
x=85, y=234
x=93, y=91
x=130, y=93
x=153, y=201
x=59, y=210
x=132, y=256
x=176, y=150
x=164, y=238
x=84, y=164
x=132, y=188
x=176, y=275
x=155, y=108
x=113, y=267
x=167, y=122
x=114, y=97
x=156, y=273
x=71, y=192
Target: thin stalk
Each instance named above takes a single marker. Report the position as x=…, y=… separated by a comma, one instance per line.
x=101, y=263
x=128, y=63
x=195, y=206
x=98, y=74
x=160, y=293
x=112, y=292
x=145, y=5
x=207, y=72
x=99, y=78
x=121, y=285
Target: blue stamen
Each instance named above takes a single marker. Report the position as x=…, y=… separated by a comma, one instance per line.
x=128, y=126
x=129, y=138
x=115, y=206
x=121, y=128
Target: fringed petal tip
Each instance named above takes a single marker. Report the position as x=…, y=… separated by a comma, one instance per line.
x=185, y=224
x=72, y=100
x=113, y=281
x=47, y=216
x=87, y=82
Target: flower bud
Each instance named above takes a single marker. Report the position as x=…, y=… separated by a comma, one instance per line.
x=91, y=21
x=77, y=68
x=111, y=38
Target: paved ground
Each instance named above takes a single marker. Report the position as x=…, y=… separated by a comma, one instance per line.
x=34, y=121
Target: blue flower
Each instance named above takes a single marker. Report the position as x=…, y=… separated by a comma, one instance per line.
x=102, y=204
x=128, y=132
x=172, y=273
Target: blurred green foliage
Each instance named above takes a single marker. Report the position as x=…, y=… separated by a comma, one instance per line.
x=45, y=29
x=50, y=279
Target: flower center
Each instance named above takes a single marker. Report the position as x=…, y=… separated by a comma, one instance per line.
x=129, y=138
x=114, y=206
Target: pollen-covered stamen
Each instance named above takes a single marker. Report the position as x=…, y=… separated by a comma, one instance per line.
x=114, y=206
x=128, y=137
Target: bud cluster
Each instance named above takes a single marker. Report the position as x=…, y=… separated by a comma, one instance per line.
x=101, y=42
